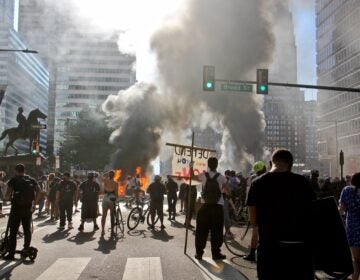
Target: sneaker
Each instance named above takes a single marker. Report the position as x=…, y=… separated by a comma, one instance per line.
x=162, y=227
x=81, y=228
x=250, y=258
x=70, y=225
x=61, y=227
x=96, y=227
x=219, y=257
x=151, y=227
x=198, y=257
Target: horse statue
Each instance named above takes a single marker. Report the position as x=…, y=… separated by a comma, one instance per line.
x=25, y=133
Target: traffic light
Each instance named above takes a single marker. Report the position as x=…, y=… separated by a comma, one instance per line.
x=262, y=80
x=209, y=78
x=35, y=147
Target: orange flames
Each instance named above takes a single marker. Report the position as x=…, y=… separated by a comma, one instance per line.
x=122, y=183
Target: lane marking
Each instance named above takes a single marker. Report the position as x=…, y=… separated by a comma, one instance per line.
x=221, y=270
x=143, y=269
x=65, y=269
x=6, y=266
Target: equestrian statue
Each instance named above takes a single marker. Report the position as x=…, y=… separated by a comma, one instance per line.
x=25, y=129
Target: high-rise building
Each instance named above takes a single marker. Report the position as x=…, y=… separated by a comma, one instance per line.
x=311, y=153
x=85, y=67
x=24, y=75
x=284, y=107
x=338, y=64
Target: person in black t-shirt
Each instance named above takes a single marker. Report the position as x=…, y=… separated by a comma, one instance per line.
x=172, y=188
x=280, y=205
x=89, y=195
x=157, y=191
x=24, y=193
x=65, y=197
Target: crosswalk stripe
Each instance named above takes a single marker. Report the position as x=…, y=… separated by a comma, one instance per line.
x=143, y=269
x=223, y=270
x=65, y=269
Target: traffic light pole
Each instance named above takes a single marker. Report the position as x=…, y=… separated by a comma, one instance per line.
x=294, y=85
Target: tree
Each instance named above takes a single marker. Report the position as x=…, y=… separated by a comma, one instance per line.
x=86, y=143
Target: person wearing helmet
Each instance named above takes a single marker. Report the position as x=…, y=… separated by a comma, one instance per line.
x=259, y=168
x=156, y=191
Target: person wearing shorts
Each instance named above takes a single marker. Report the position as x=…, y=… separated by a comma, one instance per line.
x=108, y=203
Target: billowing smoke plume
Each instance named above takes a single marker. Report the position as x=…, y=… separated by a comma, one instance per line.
x=233, y=35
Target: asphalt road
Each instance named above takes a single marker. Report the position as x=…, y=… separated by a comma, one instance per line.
x=139, y=254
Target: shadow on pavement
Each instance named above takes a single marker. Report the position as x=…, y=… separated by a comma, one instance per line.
x=6, y=268
x=238, y=261
x=82, y=237
x=57, y=235
x=161, y=235
x=218, y=269
x=142, y=232
x=106, y=245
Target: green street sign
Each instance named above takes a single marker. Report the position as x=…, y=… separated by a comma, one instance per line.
x=237, y=87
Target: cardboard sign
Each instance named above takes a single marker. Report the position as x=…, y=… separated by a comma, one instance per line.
x=182, y=157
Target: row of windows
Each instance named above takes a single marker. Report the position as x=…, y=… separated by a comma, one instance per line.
x=98, y=62
x=99, y=52
x=82, y=96
x=341, y=70
x=343, y=113
x=339, y=100
x=350, y=141
x=327, y=11
x=98, y=88
x=94, y=70
x=99, y=79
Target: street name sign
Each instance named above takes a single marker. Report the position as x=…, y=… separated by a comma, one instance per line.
x=38, y=126
x=237, y=87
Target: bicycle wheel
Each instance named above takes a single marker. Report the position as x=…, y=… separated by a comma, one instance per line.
x=134, y=218
x=148, y=219
x=119, y=220
x=236, y=239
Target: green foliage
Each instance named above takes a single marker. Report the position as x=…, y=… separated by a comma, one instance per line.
x=86, y=144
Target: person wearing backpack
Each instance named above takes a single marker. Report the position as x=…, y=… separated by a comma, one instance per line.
x=24, y=192
x=211, y=216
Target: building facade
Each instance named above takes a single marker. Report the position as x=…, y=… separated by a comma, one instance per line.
x=24, y=75
x=311, y=152
x=284, y=107
x=338, y=64
x=85, y=67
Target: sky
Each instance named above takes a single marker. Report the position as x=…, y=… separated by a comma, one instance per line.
x=109, y=13
x=304, y=21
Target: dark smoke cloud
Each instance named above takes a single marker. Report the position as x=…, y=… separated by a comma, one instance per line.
x=233, y=35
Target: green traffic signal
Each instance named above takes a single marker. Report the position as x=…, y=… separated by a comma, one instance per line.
x=209, y=85
x=263, y=88
x=34, y=152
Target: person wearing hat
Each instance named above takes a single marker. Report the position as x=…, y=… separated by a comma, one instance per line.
x=89, y=195
x=157, y=191
x=259, y=168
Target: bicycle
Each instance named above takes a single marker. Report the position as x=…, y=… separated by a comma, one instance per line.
x=234, y=238
x=118, y=218
x=138, y=214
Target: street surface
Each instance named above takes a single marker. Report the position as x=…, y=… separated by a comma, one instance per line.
x=140, y=254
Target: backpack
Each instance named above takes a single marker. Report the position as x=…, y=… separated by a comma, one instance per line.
x=211, y=191
x=23, y=193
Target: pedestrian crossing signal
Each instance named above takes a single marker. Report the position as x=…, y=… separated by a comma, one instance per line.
x=209, y=78
x=262, y=80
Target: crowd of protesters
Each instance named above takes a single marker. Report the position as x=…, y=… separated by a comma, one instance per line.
x=59, y=196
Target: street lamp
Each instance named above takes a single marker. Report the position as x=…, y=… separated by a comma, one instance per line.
x=13, y=50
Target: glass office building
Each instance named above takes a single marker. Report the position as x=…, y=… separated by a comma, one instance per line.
x=338, y=64
x=24, y=75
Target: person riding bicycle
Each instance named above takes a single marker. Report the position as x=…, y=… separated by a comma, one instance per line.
x=24, y=193
x=108, y=203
